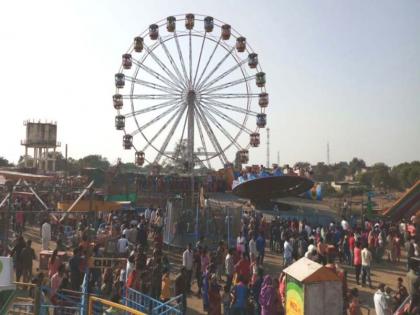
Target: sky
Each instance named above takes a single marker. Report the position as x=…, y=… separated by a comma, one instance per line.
x=343, y=72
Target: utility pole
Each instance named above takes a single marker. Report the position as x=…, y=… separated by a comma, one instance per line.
x=328, y=153
x=268, y=148
x=278, y=158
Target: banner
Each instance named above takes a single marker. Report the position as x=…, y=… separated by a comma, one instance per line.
x=294, y=297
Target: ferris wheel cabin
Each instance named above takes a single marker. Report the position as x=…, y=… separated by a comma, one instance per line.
x=260, y=79
x=261, y=120
x=118, y=101
x=189, y=21
x=171, y=24
x=119, y=80
x=263, y=100
x=153, y=31
x=138, y=44
x=254, y=139
x=243, y=156
x=139, y=158
x=127, y=142
x=226, y=31
x=208, y=24
x=127, y=61
x=253, y=60
x=241, y=44
x=119, y=122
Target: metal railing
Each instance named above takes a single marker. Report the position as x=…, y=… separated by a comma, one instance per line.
x=149, y=305
x=98, y=306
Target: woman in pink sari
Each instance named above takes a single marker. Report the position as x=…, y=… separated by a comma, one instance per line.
x=268, y=297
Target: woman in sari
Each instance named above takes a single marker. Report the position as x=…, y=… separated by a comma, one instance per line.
x=268, y=297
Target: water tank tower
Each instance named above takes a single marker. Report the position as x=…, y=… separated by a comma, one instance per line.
x=42, y=138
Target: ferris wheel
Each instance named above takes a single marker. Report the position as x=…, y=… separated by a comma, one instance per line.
x=185, y=91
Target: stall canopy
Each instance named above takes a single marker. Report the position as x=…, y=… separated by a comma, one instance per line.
x=307, y=271
x=25, y=176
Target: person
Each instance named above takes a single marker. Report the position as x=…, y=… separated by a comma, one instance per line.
x=76, y=275
x=243, y=268
x=379, y=300
x=122, y=246
x=256, y=285
x=354, y=304
x=113, y=310
x=268, y=298
x=220, y=257
x=287, y=253
x=366, y=262
x=187, y=263
x=252, y=246
x=45, y=235
x=27, y=256
x=214, y=297
x=56, y=281
x=401, y=293
x=413, y=278
x=229, y=267
x=180, y=288
x=357, y=261
x=239, y=297
x=240, y=243
x=260, y=248
x=15, y=253
x=226, y=300
x=165, y=294
x=53, y=263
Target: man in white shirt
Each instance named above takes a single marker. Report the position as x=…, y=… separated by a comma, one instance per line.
x=45, y=235
x=153, y=216
x=380, y=301
x=287, y=254
x=253, y=247
x=122, y=246
x=147, y=213
x=229, y=268
x=366, y=262
x=187, y=262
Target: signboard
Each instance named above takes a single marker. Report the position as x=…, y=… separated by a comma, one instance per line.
x=103, y=263
x=294, y=297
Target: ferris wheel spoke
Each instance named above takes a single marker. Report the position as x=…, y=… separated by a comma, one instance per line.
x=158, y=133
x=152, y=96
x=174, y=79
x=203, y=142
x=212, y=136
x=208, y=61
x=228, y=95
x=224, y=74
x=155, y=74
x=170, y=135
x=190, y=58
x=181, y=58
x=223, y=130
x=229, y=53
x=171, y=60
x=227, y=118
x=228, y=85
x=230, y=107
x=156, y=119
x=199, y=58
x=151, y=108
x=153, y=85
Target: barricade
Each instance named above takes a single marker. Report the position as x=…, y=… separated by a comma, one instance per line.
x=149, y=305
x=98, y=306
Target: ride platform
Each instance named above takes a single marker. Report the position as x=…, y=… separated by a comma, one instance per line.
x=264, y=189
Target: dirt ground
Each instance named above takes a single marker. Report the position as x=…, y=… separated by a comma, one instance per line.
x=384, y=272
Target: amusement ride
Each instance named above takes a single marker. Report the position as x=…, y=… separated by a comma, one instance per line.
x=186, y=90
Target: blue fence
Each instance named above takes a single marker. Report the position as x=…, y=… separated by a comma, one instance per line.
x=149, y=305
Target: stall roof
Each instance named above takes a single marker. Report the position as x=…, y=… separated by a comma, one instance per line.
x=307, y=271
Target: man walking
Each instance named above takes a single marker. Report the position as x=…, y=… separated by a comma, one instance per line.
x=45, y=235
x=27, y=256
x=379, y=300
x=366, y=262
x=187, y=263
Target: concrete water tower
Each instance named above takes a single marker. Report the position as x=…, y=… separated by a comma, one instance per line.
x=42, y=138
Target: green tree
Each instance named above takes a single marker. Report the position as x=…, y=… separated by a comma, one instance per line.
x=356, y=165
x=4, y=162
x=95, y=161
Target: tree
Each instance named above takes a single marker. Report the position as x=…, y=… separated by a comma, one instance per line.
x=95, y=161
x=356, y=165
x=322, y=172
x=4, y=162
x=406, y=174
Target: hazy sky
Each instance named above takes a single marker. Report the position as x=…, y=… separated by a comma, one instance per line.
x=347, y=72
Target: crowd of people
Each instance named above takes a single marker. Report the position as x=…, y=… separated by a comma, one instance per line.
x=230, y=278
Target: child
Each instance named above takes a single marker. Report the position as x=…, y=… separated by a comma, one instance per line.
x=226, y=299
